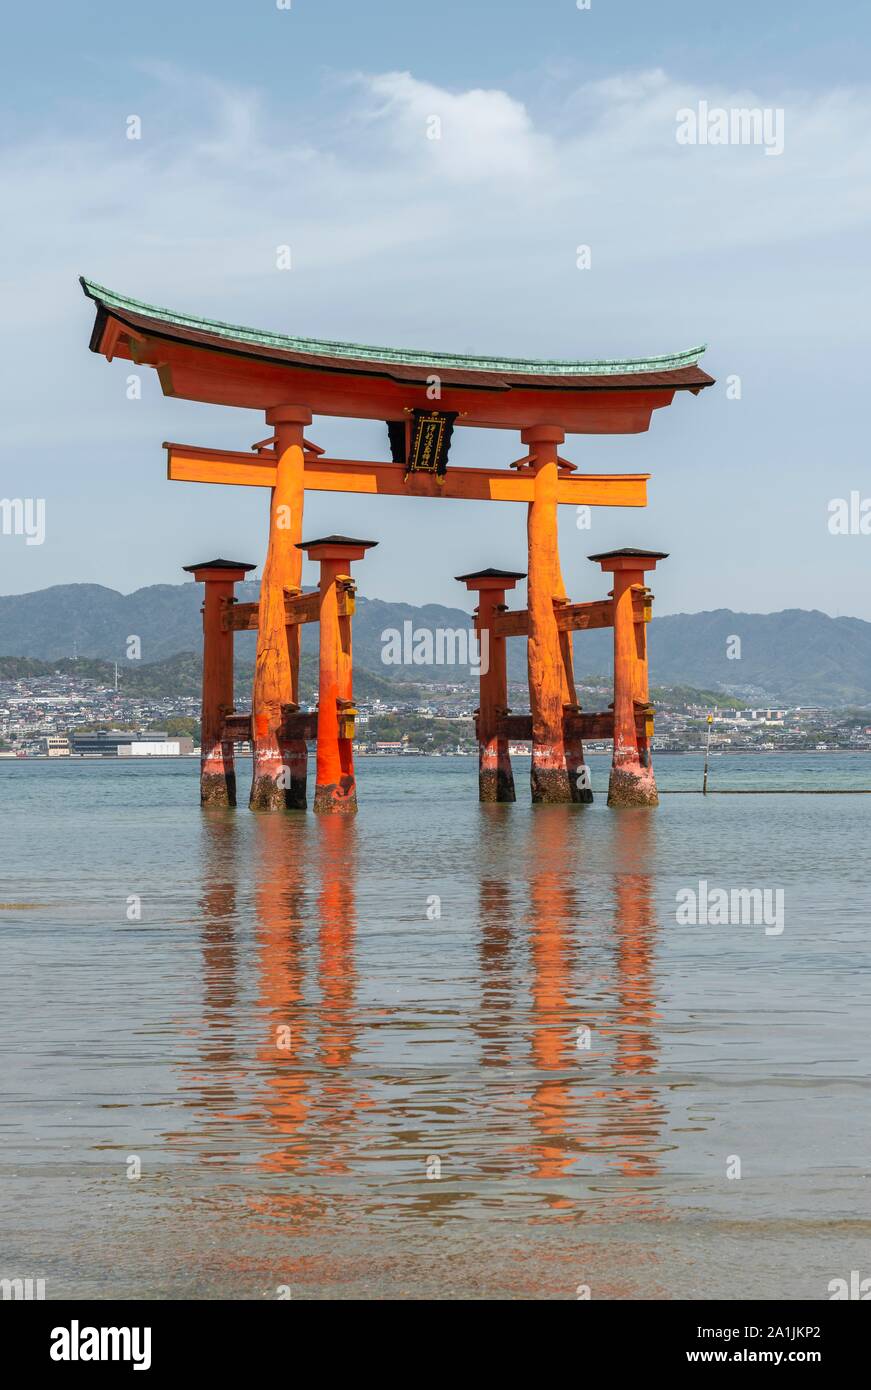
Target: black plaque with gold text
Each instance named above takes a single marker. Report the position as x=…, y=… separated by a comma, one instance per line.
x=431, y=432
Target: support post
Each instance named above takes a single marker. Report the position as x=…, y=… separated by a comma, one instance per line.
x=335, y=788
x=549, y=774
x=279, y=771
x=632, y=782
x=579, y=779
x=217, y=762
x=495, y=778
x=642, y=678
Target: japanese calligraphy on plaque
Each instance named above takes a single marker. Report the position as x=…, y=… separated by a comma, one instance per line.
x=431, y=432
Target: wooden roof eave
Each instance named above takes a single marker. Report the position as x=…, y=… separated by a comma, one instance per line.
x=680, y=379
x=186, y=373
x=113, y=321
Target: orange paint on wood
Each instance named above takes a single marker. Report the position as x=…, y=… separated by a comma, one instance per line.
x=329, y=761
x=518, y=727
x=245, y=617
x=190, y=464
x=336, y=788
x=217, y=765
x=495, y=777
x=632, y=782
x=570, y=617
x=549, y=775
x=237, y=728
x=640, y=594
x=279, y=772
x=220, y=378
x=301, y=608
x=625, y=676
x=573, y=743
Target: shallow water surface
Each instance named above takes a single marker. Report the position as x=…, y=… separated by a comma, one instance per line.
x=441, y=1050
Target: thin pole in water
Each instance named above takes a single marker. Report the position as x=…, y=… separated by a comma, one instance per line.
x=707, y=746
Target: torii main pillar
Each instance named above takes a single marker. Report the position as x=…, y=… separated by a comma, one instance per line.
x=280, y=763
x=550, y=778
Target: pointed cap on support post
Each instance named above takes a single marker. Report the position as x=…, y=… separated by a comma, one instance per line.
x=628, y=559
x=335, y=548
x=491, y=579
x=219, y=569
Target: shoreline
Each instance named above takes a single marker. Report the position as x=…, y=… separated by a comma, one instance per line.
x=593, y=753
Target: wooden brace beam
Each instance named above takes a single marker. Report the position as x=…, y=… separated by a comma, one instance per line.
x=298, y=608
x=573, y=617
x=187, y=463
x=297, y=724
x=237, y=728
x=587, y=726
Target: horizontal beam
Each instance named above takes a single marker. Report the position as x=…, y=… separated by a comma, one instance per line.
x=597, y=725
x=572, y=617
x=295, y=724
x=240, y=617
x=302, y=608
x=515, y=726
x=190, y=464
x=302, y=724
x=237, y=728
x=216, y=377
x=588, y=726
x=298, y=608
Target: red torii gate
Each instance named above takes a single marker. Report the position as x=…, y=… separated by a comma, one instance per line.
x=422, y=397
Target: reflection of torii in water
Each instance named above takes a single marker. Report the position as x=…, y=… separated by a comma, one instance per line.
x=635, y=1104
x=304, y=1099
x=281, y=869
x=303, y=1109
x=221, y=1073
x=310, y=1076
x=583, y=1102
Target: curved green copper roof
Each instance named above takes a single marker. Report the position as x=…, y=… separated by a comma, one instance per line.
x=411, y=357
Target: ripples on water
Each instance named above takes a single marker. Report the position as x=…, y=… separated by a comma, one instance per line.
x=313, y=1015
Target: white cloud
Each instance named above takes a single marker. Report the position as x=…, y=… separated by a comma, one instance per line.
x=467, y=241
x=469, y=136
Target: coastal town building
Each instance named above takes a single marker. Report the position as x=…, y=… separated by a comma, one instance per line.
x=114, y=743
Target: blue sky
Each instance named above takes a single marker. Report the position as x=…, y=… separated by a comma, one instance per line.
x=262, y=127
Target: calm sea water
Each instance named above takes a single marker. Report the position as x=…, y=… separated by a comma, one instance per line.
x=346, y=1054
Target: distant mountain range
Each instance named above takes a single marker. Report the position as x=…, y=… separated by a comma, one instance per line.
x=180, y=675
x=796, y=656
